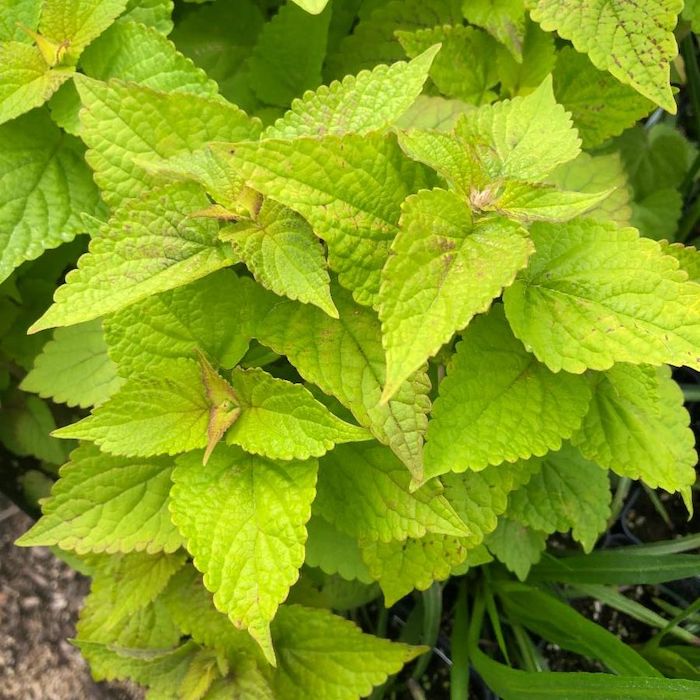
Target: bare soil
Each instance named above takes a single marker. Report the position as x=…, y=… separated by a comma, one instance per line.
x=40, y=597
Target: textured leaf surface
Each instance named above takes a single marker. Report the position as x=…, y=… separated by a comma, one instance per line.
x=523, y=138
x=244, y=519
x=516, y=546
x=26, y=81
x=160, y=670
x=74, y=368
x=288, y=55
x=123, y=587
x=445, y=268
x=279, y=247
x=166, y=413
x=479, y=498
x=401, y=567
x=282, y=420
x=148, y=246
x=568, y=492
x=14, y=16
x=688, y=257
x=370, y=101
x=334, y=552
x=134, y=52
x=636, y=44
x=637, y=427
x=152, y=13
x=191, y=607
x=503, y=19
x=364, y=490
x=77, y=22
x=486, y=417
x=464, y=67
x=205, y=315
x=350, y=190
x=345, y=358
x=600, y=105
x=594, y=295
x=123, y=123
x=324, y=656
x=44, y=187
x=107, y=504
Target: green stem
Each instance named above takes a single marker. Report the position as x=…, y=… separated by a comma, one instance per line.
x=432, y=614
x=621, y=492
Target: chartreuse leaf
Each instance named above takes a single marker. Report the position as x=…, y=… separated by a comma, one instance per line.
x=594, y=295
x=688, y=258
x=17, y=16
x=444, y=268
x=123, y=589
x=324, y=656
x=567, y=492
x=637, y=427
x=464, y=67
x=176, y=409
x=134, y=52
x=600, y=173
x=74, y=368
x=523, y=138
x=600, y=106
x=364, y=491
x=345, y=359
x=161, y=670
x=192, y=609
x=287, y=58
x=75, y=23
x=401, y=567
x=503, y=19
x=317, y=589
x=516, y=546
x=124, y=123
x=151, y=13
x=433, y=112
x=244, y=517
x=527, y=202
x=27, y=81
x=107, y=504
x=349, y=189
x=44, y=187
x=483, y=417
x=279, y=247
x=205, y=315
x=370, y=101
x=570, y=630
x=635, y=46
x=334, y=552
x=149, y=245
x=479, y=498
x=282, y=420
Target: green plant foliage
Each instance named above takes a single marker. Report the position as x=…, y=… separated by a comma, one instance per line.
x=309, y=309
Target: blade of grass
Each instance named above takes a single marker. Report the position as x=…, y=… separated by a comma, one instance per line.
x=459, y=672
x=613, y=598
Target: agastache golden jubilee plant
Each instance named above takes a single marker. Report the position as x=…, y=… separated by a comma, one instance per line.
x=375, y=293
